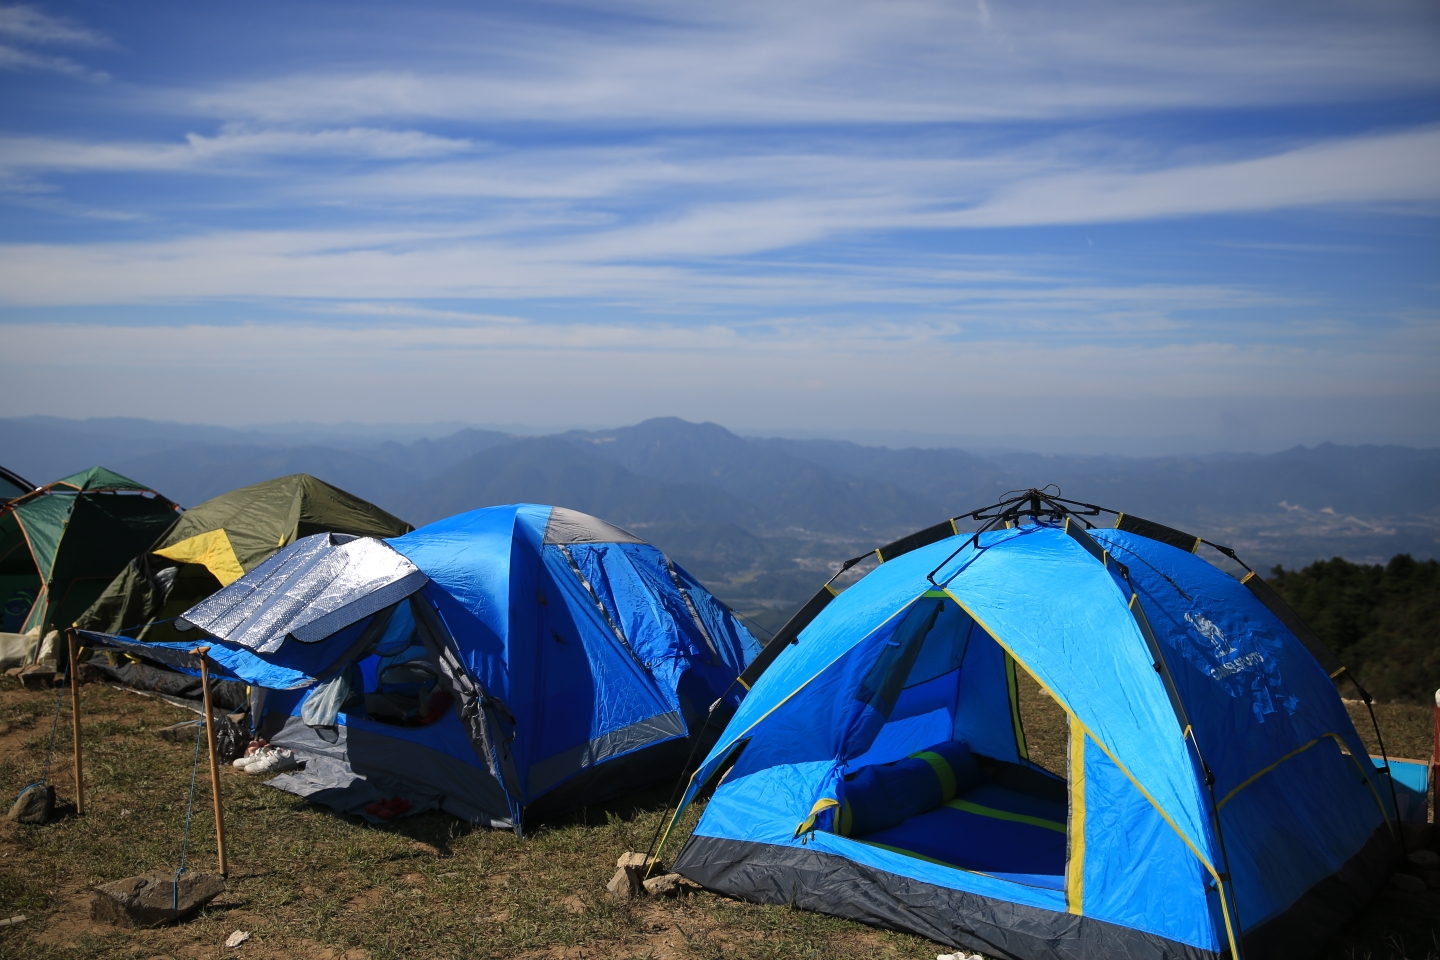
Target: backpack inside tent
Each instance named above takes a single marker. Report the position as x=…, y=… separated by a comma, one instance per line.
x=1216, y=800
x=496, y=664
x=62, y=543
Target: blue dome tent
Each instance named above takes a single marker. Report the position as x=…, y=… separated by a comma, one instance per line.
x=579, y=661
x=1217, y=800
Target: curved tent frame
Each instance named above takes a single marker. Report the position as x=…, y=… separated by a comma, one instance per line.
x=1120, y=645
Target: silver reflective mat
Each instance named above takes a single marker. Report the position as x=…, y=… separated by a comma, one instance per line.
x=309, y=590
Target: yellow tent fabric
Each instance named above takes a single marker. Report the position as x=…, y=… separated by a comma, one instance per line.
x=212, y=550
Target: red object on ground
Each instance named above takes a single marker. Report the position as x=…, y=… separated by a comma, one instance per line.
x=1435, y=761
x=389, y=809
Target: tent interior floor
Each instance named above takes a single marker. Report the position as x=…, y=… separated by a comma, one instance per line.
x=990, y=829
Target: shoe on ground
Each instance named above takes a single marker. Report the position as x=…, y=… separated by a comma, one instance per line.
x=250, y=759
x=277, y=759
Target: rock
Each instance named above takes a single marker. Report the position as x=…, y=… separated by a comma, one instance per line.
x=237, y=938
x=1408, y=883
x=37, y=676
x=666, y=885
x=630, y=875
x=36, y=804
x=625, y=884
x=1425, y=859
x=151, y=899
x=638, y=861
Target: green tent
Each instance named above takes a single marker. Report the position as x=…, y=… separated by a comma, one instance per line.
x=61, y=544
x=221, y=540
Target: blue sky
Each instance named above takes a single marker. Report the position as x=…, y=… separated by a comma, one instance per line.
x=1137, y=227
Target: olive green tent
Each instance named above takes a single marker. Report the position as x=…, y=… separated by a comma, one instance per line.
x=221, y=540
x=61, y=544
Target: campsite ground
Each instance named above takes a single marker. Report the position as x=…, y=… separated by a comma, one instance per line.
x=308, y=883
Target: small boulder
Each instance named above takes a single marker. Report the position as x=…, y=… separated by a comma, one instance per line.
x=629, y=876
x=666, y=885
x=152, y=899
x=625, y=884
x=37, y=676
x=36, y=804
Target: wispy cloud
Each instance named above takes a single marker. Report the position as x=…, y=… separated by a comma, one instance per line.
x=849, y=62
x=24, y=26
x=1044, y=197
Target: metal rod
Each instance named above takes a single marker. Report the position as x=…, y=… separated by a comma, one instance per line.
x=75, y=724
x=214, y=762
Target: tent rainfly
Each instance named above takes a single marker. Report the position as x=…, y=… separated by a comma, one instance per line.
x=494, y=664
x=1216, y=800
x=62, y=543
x=214, y=544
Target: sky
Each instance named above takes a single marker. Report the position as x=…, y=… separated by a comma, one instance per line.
x=1127, y=227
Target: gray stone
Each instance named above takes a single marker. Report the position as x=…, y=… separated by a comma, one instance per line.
x=666, y=885
x=152, y=899
x=36, y=804
x=625, y=884
x=1408, y=883
x=37, y=676
x=639, y=861
x=629, y=876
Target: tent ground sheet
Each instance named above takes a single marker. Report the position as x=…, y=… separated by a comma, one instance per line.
x=991, y=830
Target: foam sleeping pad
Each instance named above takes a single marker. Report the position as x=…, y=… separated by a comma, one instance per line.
x=883, y=795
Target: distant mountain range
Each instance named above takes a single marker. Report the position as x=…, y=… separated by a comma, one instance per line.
x=762, y=521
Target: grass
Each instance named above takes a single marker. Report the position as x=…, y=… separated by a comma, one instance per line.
x=309, y=883
x=306, y=882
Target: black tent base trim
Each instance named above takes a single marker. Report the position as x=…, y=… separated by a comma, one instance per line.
x=824, y=883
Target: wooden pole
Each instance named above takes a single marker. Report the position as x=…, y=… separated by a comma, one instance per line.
x=75, y=724
x=214, y=762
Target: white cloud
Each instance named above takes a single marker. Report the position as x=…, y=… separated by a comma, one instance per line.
x=1397, y=167
x=848, y=62
x=24, y=25
x=796, y=375
x=29, y=24
x=234, y=143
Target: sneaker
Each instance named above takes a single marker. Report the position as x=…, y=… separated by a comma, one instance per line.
x=250, y=759
x=275, y=760
x=255, y=746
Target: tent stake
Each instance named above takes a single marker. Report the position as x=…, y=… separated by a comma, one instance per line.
x=214, y=764
x=75, y=724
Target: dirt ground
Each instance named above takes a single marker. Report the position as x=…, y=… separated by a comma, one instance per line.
x=308, y=883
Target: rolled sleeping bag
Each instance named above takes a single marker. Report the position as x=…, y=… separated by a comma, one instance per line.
x=883, y=795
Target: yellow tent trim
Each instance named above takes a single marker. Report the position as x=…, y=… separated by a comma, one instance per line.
x=211, y=550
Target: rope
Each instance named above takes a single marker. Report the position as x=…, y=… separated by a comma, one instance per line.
x=142, y=626
x=50, y=753
x=189, y=810
x=768, y=635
